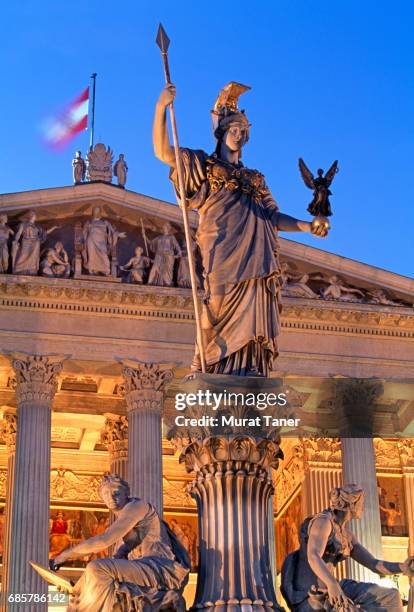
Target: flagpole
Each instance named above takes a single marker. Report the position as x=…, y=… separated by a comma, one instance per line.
x=92, y=128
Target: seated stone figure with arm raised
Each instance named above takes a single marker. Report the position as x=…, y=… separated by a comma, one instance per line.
x=308, y=581
x=149, y=569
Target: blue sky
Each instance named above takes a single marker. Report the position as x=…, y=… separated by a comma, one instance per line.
x=330, y=80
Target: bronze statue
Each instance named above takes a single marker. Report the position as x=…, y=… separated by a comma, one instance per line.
x=308, y=581
x=148, y=571
x=238, y=239
x=320, y=205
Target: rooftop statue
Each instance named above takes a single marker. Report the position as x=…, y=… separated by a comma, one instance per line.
x=320, y=205
x=148, y=571
x=136, y=266
x=239, y=222
x=121, y=170
x=308, y=581
x=79, y=168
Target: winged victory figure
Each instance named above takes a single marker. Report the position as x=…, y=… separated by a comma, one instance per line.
x=320, y=205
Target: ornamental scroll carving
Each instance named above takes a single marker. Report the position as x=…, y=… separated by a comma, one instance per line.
x=36, y=376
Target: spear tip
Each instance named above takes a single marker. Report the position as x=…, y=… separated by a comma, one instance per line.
x=162, y=39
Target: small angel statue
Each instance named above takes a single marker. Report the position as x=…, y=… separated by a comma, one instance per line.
x=320, y=205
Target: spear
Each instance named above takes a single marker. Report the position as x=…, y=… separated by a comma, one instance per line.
x=163, y=42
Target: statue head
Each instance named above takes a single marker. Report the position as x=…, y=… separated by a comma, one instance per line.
x=3, y=219
x=58, y=246
x=78, y=155
x=138, y=251
x=320, y=172
x=31, y=216
x=114, y=491
x=166, y=228
x=96, y=212
x=347, y=498
x=230, y=124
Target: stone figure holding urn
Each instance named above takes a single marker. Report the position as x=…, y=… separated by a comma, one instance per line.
x=237, y=235
x=26, y=245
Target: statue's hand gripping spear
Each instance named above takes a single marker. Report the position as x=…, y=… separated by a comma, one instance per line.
x=163, y=42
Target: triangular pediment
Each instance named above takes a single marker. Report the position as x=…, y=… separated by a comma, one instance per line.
x=311, y=274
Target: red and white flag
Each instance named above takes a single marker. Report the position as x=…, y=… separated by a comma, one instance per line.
x=62, y=128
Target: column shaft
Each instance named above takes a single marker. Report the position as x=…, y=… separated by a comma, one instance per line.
x=358, y=466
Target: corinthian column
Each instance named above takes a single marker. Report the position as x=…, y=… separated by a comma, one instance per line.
x=36, y=377
x=144, y=384
x=9, y=434
x=115, y=437
x=356, y=400
x=406, y=448
x=232, y=488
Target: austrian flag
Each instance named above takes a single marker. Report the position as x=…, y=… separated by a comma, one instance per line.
x=74, y=119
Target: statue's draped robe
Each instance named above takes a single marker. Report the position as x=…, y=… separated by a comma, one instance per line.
x=98, y=239
x=150, y=578
x=28, y=254
x=166, y=249
x=237, y=237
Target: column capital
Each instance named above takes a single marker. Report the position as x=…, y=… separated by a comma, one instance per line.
x=9, y=428
x=114, y=435
x=36, y=376
x=144, y=384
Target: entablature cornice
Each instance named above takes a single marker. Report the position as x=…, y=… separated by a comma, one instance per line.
x=144, y=301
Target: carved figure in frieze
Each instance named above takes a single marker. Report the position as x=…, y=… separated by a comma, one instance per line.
x=99, y=166
x=55, y=263
x=183, y=275
x=5, y=233
x=136, y=266
x=26, y=245
x=59, y=538
x=121, y=170
x=295, y=284
x=167, y=250
x=100, y=238
x=320, y=205
x=79, y=168
x=308, y=574
x=378, y=296
x=337, y=290
x=148, y=570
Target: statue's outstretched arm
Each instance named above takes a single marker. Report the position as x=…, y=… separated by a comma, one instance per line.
x=361, y=555
x=286, y=223
x=161, y=141
x=129, y=516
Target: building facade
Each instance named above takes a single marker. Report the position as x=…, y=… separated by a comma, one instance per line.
x=90, y=360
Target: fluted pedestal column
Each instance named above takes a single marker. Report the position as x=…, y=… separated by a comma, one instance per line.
x=29, y=538
x=232, y=489
x=114, y=435
x=9, y=434
x=144, y=383
x=358, y=466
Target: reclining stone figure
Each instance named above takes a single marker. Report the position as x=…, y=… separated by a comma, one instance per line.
x=308, y=581
x=147, y=573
